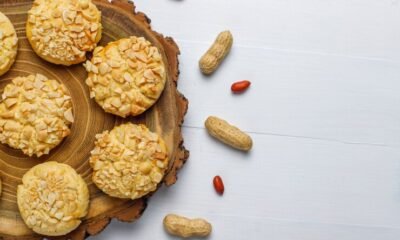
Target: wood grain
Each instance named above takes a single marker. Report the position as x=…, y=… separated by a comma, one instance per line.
x=166, y=117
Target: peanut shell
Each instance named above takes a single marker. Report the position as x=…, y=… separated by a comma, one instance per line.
x=228, y=134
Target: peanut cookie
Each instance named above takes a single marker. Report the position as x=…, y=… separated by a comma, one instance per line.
x=35, y=114
x=52, y=199
x=62, y=31
x=8, y=44
x=127, y=76
x=129, y=161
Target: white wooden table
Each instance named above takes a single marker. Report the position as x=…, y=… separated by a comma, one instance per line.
x=323, y=111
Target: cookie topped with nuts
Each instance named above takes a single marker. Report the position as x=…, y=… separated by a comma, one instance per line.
x=35, y=114
x=62, y=31
x=127, y=76
x=129, y=161
x=8, y=44
x=52, y=199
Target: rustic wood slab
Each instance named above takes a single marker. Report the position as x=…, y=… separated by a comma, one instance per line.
x=119, y=20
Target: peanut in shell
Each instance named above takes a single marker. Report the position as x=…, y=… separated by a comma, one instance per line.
x=228, y=134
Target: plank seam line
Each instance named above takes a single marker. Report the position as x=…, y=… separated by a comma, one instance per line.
x=310, y=138
x=297, y=51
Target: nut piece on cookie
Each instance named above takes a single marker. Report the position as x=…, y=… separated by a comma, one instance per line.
x=62, y=31
x=127, y=76
x=129, y=161
x=35, y=114
x=8, y=44
x=52, y=199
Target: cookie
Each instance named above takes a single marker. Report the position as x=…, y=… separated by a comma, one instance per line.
x=127, y=76
x=52, y=199
x=129, y=161
x=35, y=114
x=62, y=31
x=8, y=44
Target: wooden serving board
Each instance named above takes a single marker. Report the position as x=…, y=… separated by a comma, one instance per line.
x=165, y=117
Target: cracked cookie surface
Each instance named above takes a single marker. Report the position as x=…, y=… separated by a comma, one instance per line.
x=127, y=76
x=35, y=114
x=52, y=199
x=128, y=161
x=62, y=31
x=8, y=44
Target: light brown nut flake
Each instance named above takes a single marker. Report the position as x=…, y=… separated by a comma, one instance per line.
x=69, y=116
x=9, y=102
x=58, y=30
x=126, y=65
x=30, y=117
x=8, y=44
x=104, y=68
x=124, y=163
x=113, y=63
x=52, y=199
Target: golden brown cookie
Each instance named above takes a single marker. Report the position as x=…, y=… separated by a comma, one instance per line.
x=62, y=31
x=8, y=44
x=52, y=199
x=127, y=76
x=35, y=114
x=129, y=161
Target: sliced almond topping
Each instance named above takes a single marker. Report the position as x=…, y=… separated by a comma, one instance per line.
x=76, y=28
x=94, y=27
x=75, y=50
x=59, y=102
x=141, y=56
x=149, y=74
x=9, y=114
x=118, y=90
x=11, y=126
x=113, y=63
x=124, y=45
x=128, y=77
x=97, y=60
x=10, y=102
x=69, y=116
x=38, y=84
x=116, y=102
x=104, y=68
x=27, y=133
x=42, y=135
x=67, y=218
x=40, y=77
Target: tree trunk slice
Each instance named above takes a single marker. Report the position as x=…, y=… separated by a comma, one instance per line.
x=165, y=117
